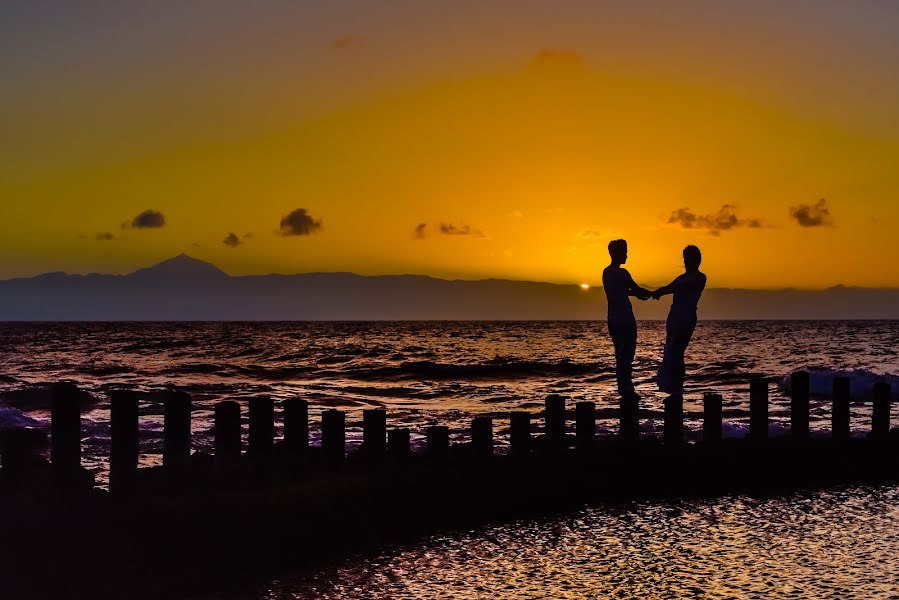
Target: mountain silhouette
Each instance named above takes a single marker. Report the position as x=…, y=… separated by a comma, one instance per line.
x=184, y=288
x=181, y=267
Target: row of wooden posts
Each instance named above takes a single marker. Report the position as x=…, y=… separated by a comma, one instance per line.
x=378, y=441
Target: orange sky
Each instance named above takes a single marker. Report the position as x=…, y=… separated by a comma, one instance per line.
x=460, y=140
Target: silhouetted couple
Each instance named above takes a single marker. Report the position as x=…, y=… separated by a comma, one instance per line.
x=686, y=288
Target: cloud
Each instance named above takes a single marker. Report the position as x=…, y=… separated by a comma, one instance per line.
x=149, y=219
x=461, y=230
x=421, y=231
x=812, y=215
x=346, y=42
x=725, y=219
x=299, y=222
x=551, y=58
x=516, y=214
x=105, y=236
x=232, y=241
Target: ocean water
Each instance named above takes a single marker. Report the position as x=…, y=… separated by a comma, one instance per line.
x=838, y=543
x=426, y=373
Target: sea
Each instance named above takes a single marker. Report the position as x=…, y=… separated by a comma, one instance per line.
x=836, y=543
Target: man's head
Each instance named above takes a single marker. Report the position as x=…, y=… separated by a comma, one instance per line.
x=692, y=257
x=618, y=251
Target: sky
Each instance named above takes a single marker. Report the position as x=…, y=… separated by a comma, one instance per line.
x=460, y=139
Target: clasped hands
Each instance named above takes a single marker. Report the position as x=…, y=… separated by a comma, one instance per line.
x=646, y=295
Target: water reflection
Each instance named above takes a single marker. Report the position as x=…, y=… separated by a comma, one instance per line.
x=832, y=544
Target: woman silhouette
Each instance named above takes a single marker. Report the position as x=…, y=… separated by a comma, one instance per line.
x=687, y=289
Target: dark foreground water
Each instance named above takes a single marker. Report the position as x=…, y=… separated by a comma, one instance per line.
x=835, y=544
x=425, y=373
x=831, y=544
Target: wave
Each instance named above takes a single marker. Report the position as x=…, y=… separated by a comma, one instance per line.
x=12, y=418
x=494, y=369
x=861, y=381
x=39, y=398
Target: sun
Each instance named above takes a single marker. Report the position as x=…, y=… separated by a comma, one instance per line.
x=585, y=286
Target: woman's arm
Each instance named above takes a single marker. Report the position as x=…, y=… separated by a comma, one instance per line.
x=668, y=289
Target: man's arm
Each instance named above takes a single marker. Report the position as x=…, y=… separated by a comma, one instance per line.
x=635, y=290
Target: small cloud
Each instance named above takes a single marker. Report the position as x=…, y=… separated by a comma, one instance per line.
x=516, y=214
x=232, y=241
x=725, y=219
x=591, y=235
x=149, y=219
x=462, y=230
x=550, y=58
x=812, y=215
x=421, y=231
x=104, y=236
x=346, y=42
x=299, y=222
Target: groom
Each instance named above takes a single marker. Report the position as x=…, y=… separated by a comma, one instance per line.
x=619, y=285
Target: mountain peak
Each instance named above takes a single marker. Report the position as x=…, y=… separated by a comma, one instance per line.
x=182, y=267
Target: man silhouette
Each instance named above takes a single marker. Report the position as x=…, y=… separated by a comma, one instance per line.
x=687, y=290
x=619, y=285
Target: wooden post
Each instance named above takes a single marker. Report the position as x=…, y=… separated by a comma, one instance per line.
x=839, y=414
x=554, y=420
x=712, y=425
x=334, y=434
x=519, y=433
x=880, y=416
x=261, y=438
x=65, y=429
x=176, y=430
x=585, y=425
x=18, y=454
x=227, y=433
x=674, y=420
x=374, y=433
x=482, y=436
x=800, y=384
x=629, y=418
x=398, y=444
x=437, y=440
x=758, y=409
x=296, y=426
x=123, y=442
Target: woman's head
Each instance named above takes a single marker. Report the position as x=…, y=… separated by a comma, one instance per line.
x=692, y=257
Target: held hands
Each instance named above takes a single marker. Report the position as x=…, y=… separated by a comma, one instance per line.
x=655, y=295
x=644, y=295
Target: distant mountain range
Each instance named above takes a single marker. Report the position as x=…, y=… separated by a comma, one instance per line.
x=184, y=288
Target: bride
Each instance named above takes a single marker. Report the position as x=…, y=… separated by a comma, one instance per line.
x=687, y=289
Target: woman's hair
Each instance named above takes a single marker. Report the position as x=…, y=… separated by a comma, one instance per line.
x=692, y=255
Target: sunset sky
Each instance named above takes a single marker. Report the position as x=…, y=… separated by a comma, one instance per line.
x=456, y=139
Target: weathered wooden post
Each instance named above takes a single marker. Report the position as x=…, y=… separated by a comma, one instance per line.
x=758, y=408
x=674, y=420
x=519, y=433
x=65, y=430
x=437, y=441
x=296, y=426
x=554, y=420
x=585, y=426
x=482, y=436
x=880, y=415
x=176, y=430
x=261, y=438
x=227, y=433
x=799, y=393
x=374, y=433
x=712, y=411
x=398, y=443
x=18, y=454
x=629, y=418
x=334, y=434
x=123, y=441
x=839, y=414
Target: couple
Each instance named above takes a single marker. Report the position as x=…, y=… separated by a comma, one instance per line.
x=686, y=288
